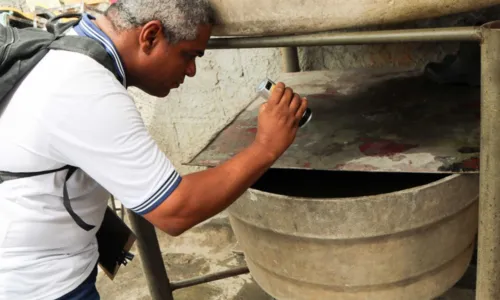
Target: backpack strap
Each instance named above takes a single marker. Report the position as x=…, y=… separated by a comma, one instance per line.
x=86, y=46
x=55, y=39
x=67, y=204
x=5, y=176
x=58, y=29
x=79, y=44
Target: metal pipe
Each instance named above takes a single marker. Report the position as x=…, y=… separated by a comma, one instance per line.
x=351, y=38
x=290, y=59
x=208, y=278
x=488, y=265
x=151, y=258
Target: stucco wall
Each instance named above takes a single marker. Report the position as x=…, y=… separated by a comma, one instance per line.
x=186, y=120
x=20, y=4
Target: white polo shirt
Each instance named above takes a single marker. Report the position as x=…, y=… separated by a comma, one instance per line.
x=69, y=110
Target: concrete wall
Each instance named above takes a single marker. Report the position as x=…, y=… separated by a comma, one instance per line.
x=188, y=118
x=20, y=4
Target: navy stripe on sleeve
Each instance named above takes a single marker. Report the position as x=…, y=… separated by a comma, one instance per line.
x=161, y=194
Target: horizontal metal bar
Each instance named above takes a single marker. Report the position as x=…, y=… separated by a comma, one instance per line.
x=208, y=278
x=351, y=38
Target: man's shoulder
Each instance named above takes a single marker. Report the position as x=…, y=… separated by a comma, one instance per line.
x=68, y=82
x=67, y=65
x=71, y=72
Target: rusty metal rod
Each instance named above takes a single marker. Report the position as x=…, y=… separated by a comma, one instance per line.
x=351, y=38
x=488, y=265
x=151, y=258
x=208, y=278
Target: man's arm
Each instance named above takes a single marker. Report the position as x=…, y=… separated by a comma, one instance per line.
x=100, y=131
x=204, y=194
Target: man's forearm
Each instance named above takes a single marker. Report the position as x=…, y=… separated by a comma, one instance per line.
x=204, y=194
x=215, y=189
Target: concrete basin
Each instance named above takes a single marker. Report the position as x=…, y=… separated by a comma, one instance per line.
x=357, y=235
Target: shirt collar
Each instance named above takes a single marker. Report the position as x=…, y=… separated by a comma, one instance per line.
x=87, y=28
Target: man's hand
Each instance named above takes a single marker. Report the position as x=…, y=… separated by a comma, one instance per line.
x=204, y=194
x=279, y=120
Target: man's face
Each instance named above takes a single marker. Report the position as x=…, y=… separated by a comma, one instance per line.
x=164, y=66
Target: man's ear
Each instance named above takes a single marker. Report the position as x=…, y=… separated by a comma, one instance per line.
x=150, y=36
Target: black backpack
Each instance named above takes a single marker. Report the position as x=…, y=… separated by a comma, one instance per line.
x=21, y=50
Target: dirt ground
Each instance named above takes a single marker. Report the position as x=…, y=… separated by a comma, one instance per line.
x=204, y=249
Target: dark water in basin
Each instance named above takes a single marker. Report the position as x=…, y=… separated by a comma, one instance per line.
x=337, y=184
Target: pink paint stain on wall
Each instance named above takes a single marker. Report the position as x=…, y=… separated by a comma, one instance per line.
x=471, y=163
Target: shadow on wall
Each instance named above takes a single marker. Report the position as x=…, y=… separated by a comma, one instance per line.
x=412, y=55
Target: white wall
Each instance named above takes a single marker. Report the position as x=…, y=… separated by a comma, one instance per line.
x=19, y=4
x=185, y=121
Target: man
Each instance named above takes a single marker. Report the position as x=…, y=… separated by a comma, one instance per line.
x=70, y=110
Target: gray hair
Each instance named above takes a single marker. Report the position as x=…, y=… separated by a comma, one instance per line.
x=180, y=18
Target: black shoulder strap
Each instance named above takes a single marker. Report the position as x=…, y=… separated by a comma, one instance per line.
x=5, y=176
x=58, y=29
x=79, y=44
x=67, y=204
x=86, y=46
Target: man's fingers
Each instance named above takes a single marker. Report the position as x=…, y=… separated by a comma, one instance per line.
x=295, y=104
x=301, y=110
x=276, y=94
x=286, y=98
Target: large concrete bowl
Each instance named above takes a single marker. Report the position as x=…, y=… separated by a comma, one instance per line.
x=262, y=17
x=347, y=235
